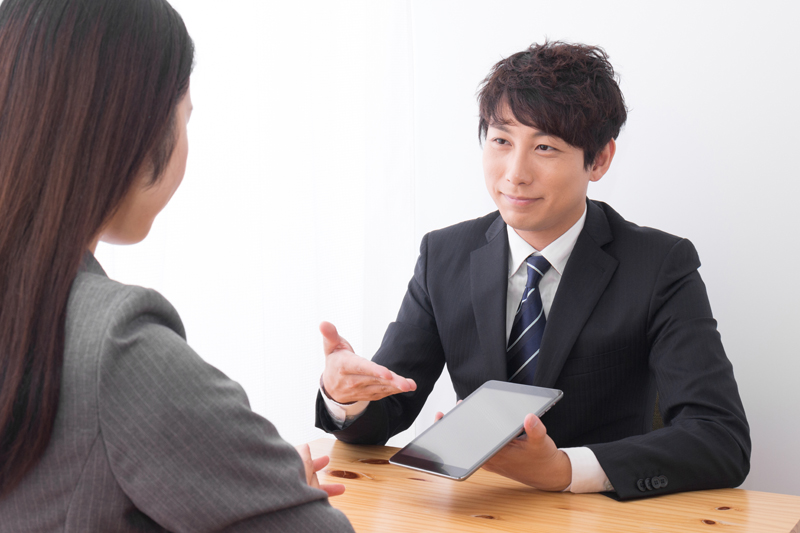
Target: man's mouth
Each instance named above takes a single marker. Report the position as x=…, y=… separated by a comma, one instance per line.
x=519, y=200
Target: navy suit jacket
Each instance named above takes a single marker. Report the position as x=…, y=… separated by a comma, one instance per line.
x=630, y=319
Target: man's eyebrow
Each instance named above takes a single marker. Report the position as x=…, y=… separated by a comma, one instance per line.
x=502, y=127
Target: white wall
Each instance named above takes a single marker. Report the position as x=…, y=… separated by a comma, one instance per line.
x=328, y=137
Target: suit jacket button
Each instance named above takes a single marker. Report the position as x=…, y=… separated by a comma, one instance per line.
x=663, y=481
x=648, y=484
x=656, y=480
x=640, y=485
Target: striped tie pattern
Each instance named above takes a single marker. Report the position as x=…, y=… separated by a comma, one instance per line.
x=526, y=333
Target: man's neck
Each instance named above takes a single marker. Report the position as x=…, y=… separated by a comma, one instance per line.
x=542, y=239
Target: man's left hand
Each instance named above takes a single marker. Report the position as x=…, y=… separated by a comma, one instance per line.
x=533, y=459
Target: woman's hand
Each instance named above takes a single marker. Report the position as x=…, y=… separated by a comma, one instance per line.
x=313, y=466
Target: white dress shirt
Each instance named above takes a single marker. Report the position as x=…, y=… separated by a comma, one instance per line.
x=587, y=474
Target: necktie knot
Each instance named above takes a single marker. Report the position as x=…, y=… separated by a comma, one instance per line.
x=537, y=265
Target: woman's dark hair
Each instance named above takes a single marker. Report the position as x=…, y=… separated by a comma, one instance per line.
x=566, y=90
x=88, y=97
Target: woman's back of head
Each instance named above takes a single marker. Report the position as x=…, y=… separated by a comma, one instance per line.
x=88, y=93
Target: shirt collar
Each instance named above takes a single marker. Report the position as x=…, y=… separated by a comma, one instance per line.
x=557, y=252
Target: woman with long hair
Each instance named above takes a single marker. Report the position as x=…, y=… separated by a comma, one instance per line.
x=108, y=420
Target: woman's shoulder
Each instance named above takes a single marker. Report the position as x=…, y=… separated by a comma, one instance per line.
x=121, y=340
x=96, y=302
x=103, y=314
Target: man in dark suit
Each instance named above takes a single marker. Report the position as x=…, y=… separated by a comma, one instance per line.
x=621, y=312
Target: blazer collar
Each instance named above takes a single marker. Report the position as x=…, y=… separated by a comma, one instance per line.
x=585, y=278
x=489, y=285
x=89, y=264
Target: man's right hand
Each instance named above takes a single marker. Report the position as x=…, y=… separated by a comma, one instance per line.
x=349, y=378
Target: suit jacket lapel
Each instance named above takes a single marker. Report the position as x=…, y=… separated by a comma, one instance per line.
x=586, y=276
x=489, y=285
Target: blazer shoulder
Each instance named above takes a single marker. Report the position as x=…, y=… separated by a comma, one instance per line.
x=477, y=230
x=98, y=304
x=627, y=231
x=638, y=245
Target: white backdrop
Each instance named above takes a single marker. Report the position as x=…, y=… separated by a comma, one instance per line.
x=265, y=237
x=327, y=138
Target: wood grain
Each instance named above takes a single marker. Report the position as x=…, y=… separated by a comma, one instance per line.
x=381, y=497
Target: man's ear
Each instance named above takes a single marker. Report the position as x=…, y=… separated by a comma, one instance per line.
x=602, y=160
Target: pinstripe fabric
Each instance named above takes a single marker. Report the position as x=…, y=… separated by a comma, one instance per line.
x=148, y=437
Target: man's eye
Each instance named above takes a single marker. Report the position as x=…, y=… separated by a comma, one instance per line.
x=544, y=147
x=500, y=141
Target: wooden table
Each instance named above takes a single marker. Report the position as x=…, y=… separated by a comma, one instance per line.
x=385, y=498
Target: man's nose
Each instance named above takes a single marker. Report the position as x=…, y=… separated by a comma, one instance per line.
x=519, y=169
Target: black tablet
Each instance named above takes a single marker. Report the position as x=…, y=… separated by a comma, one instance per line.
x=477, y=428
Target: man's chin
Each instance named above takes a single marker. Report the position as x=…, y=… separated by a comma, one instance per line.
x=521, y=223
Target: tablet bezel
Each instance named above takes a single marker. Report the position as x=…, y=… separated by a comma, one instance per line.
x=461, y=473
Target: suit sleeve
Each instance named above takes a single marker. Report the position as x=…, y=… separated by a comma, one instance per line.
x=705, y=443
x=411, y=348
x=182, y=441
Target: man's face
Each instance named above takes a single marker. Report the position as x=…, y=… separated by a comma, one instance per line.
x=537, y=181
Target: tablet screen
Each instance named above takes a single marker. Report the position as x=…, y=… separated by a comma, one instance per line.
x=475, y=429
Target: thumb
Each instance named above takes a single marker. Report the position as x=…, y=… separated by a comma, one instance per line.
x=534, y=429
x=331, y=340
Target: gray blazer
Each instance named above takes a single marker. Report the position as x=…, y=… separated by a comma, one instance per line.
x=148, y=437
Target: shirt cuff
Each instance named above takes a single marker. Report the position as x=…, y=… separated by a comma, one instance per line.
x=587, y=474
x=341, y=413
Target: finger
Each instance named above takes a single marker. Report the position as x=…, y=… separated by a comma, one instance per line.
x=403, y=384
x=364, y=367
x=360, y=388
x=354, y=365
x=376, y=391
x=331, y=340
x=534, y=429
x=438, y=416
x=305, y=455
x=333, y=489
x=304, y=451
x=320, y=462
x=355, y=391
x=358, y=385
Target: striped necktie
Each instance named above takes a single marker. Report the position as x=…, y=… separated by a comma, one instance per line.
x=526, y=333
